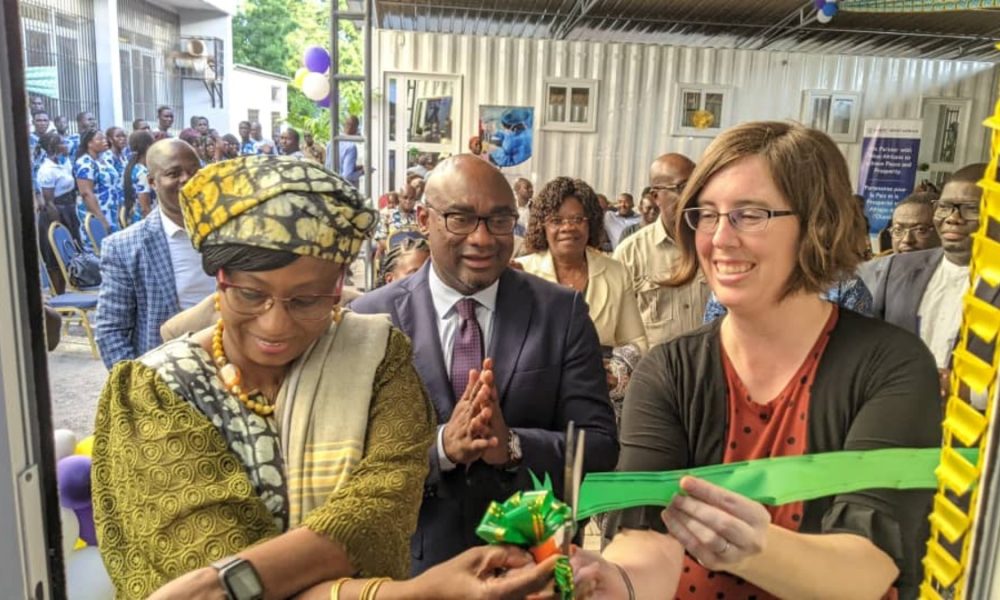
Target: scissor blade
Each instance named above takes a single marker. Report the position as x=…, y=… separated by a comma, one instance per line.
x=569, y=492
x=577, y=471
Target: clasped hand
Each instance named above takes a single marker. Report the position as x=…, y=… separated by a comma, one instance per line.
x=476, y=429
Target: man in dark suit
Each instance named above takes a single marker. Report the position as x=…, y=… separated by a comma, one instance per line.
x=922, y=291
x=464, y=306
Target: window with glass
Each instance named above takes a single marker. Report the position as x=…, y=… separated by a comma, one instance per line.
x=702, y=110
x=837, y=114
x=570, y=105
x=422, y=126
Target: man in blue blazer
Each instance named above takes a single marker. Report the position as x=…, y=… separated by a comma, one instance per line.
x=150, y=271
x=547, y=367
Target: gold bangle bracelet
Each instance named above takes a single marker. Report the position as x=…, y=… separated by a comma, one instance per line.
x=371, y=588
x=335, y=590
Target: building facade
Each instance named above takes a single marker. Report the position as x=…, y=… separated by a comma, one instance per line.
x=262, y=97
x=121, y=59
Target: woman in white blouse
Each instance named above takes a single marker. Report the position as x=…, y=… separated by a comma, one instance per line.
x=564, y=234
x=55, y=180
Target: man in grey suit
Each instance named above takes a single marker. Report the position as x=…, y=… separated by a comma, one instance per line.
x=911, y=230
x=922, y=291
x=466, y=305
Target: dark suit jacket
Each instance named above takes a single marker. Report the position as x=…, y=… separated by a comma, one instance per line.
x=901, y=287
x=548, y=372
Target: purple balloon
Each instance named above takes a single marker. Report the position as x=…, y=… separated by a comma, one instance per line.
x=819, y=4
x=316, y=59
x=324, y=103
x=73, y=477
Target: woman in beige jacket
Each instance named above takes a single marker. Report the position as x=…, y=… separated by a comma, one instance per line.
x=564, y=234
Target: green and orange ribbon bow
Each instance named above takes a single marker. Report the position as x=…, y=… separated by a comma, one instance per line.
x=531, y=520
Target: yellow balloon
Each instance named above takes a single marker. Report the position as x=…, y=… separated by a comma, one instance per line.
x=85, y=446
x=299, y=76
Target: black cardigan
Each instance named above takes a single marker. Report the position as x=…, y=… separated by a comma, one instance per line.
x=876, y=386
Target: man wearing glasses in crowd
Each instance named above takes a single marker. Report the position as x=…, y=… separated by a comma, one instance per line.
x=543, y=364
x=922, y=291
x=649, y=256
x=911, y=230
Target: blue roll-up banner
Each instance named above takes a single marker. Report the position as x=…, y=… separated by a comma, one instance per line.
x=888, y=167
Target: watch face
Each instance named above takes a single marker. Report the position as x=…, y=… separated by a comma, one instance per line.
x=244, y=583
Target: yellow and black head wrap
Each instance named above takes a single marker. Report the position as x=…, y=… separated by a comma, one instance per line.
x=278, y=203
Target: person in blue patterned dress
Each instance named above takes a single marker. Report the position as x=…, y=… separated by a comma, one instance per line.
x=99, y=183
x=117, y=154
x=140, y=199
x=85, y=121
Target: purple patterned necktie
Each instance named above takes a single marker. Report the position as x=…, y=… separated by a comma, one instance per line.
x=467, y=352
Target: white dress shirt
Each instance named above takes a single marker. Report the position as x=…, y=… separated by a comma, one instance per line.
x=940, y=312
x=444, y=299
x=190, y=280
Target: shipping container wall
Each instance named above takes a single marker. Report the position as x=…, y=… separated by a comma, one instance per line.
x=638, y=110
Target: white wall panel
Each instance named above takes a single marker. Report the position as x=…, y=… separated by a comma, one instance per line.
x=637, y=93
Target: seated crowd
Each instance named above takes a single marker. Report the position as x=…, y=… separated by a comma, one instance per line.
x=268, y=430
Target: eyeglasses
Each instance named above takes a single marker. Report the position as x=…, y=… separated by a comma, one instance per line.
x=675, y=188
x=557, y=222
x=750, y=218
x=899, y=232
x=966, y=210
x=462, y=223
x=252, y=302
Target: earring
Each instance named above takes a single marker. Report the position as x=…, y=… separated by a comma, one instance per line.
x=337, y=316
x=218, y=303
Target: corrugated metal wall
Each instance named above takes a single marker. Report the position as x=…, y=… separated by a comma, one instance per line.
x=638, y=93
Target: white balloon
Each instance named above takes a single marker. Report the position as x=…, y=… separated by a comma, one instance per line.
x=315, y=86
x=70, y=530
x=65, y=442
x=86, y=577
x=823, y=18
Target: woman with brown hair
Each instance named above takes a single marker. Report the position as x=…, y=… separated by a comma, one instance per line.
x=768, y=217
x=564, y=232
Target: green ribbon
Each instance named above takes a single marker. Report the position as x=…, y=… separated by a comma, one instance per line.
x=772, y=481
x=528, y=519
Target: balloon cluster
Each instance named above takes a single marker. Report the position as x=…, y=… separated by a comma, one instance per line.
x=86, y=577
x=825, y=10
x=313, y=78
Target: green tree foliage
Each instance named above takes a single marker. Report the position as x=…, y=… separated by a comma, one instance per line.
x=273, y=34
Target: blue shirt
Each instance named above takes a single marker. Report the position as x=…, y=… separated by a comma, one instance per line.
x=349, y=169
x=850, y=293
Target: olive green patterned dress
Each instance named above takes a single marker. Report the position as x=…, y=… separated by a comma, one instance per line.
x=185, y=475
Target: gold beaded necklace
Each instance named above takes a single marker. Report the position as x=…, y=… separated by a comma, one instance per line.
x=232, y=377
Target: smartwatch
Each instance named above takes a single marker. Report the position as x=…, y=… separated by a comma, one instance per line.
x=239, y=579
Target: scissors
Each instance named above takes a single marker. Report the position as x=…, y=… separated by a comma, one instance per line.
x=572, y=477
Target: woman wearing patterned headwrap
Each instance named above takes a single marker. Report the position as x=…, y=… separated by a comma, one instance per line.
x=284, y=447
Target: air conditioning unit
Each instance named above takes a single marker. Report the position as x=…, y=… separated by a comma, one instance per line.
x=196, y=47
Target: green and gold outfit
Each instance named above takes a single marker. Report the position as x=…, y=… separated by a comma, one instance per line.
x=184, y=474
